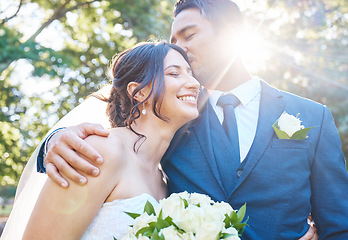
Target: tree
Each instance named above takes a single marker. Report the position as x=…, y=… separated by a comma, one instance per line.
x=94, y=30
x=307, y=42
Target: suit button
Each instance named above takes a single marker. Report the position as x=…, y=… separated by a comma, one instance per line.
x=239, y=173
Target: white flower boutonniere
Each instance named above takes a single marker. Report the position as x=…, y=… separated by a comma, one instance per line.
x=289, y=127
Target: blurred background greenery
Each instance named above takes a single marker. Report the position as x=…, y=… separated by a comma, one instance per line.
x=55, y=53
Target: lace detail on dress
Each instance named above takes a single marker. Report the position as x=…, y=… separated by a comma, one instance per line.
x=111, y=221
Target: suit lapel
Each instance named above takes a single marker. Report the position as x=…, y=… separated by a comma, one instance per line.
x=202, y=130
x=271, y=107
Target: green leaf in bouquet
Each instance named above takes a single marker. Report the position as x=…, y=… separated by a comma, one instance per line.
x=241, y=213
x=241, y=226
x=281, y=134
x=170, y=220
x=145, y=231
x=233, y=218
x=149, y=209
x=160, y=214
x=185, y=202
x=161, y=223
x=132, y=215
x=155, y=235
x=301, y=134
x=153, y=225
x=227, y=221
x=225, y=235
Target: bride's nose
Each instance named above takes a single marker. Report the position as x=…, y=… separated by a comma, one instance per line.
x=192, y=83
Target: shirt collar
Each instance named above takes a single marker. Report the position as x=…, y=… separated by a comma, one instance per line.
x=244, y=92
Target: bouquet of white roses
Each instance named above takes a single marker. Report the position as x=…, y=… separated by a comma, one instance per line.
x=186, y=216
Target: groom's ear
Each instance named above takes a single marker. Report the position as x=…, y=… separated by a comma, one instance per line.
x=232, y=37
x=140, y=95
x=232, y=31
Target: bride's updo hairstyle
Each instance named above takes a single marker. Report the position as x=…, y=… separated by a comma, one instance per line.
x=142, y=64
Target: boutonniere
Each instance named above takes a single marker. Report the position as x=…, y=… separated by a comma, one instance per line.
x=289, y=127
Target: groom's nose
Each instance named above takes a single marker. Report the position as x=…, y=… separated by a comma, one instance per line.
x=182, y=45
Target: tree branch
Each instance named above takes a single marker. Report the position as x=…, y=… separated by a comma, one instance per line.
x=81, y=4
x=60, y=12
x=15, y=14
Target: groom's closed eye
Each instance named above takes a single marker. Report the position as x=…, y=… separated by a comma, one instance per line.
x=186, y=33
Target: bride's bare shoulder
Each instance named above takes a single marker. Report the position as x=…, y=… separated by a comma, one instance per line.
x=114, y=148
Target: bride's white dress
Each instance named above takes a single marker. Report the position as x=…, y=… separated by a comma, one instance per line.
x=112, y=221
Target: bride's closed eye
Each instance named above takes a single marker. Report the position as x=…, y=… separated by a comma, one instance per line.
x=174, y=74
x=190, y=36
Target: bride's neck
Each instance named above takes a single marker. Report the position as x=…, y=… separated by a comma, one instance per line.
x=158, y=135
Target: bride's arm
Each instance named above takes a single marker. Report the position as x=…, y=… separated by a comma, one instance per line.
x=65, y=213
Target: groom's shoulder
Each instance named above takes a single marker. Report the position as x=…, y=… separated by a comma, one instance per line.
x=293, y=99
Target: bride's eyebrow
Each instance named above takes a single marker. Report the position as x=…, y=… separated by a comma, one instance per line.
x=179, y=67
x=172, y=66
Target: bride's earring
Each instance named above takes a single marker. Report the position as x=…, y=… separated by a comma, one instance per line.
x=144, y=110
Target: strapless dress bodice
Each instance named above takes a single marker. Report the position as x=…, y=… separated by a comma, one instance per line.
x=112, y=221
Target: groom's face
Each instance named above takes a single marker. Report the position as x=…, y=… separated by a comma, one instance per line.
x=193, y=32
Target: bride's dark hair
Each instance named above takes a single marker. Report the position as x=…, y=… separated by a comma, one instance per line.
x=142, y=64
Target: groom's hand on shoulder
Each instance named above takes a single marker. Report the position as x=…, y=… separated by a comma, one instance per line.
x=65, y=149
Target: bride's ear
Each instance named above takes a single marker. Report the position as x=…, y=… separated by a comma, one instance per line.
x=140, y=95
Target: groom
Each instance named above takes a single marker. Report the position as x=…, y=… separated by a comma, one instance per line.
x=281, y=180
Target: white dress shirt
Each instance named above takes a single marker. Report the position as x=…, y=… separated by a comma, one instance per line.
x=247, y=112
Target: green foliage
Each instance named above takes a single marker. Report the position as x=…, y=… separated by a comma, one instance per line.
x=93, y=33
x=235, y=219
x=307, y=43
x=8, y=191
x=308, y=58
x=298, y=135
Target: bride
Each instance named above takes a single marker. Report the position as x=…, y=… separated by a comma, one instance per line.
x=153, y=95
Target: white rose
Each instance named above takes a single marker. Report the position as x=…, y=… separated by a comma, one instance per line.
x=170, y=233
x=213, y=214
x=188, y=236
x=129, y=236
x=233, y=231
x=223, y=208
x=289, y=124
x=184, y=195
x=171, y=206
x=209, y=231
x=141, y=237
x=201, y=199
x=143, y=221
x=191, y=219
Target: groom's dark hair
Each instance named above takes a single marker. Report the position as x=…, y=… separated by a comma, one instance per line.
x=219, y=12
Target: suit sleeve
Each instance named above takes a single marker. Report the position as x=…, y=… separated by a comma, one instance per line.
x=40, y=164
x=329, y=183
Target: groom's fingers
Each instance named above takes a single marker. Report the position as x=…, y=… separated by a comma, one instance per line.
x=56, y=165
x=93, y=129
x=77, y=144
x=53, y=174
x=311, y=233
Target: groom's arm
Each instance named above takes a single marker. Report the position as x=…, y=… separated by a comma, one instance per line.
x=329, y=183
x=62, y=154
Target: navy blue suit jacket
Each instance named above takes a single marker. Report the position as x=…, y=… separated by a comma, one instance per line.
x=282, y=181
